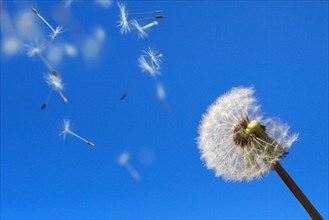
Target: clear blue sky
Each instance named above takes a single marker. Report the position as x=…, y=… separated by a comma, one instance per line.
x=280, y=47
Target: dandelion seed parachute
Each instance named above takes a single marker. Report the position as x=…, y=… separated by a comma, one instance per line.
x=55, y=82
x=142, y=29
x=155, y=58
x=54, y=33
x=67, y=130
x=123, y=22
x=141, y=33
x=149, y=63
x=33, y=50
x=233, y=141
x=148, y=67
x=57, y=31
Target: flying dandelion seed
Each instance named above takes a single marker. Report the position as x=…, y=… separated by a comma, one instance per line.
x=147, y=66
x=141, y=30
x=67, y=130
x=238, y=143
x=123, y=160
x=55, y=82
x=55, y=32
x=149, y=63
x=138, y=27
x=37, y=50
x=124, y=22
x=154, y=57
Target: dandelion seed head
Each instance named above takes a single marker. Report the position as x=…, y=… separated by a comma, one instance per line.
x=55, y=82
x=155, y=58
x=147, y=67
x=237, y=142
x=123, y=22
x=141, y=31
x=33, y=49
x=65, y=128
x=58, y=30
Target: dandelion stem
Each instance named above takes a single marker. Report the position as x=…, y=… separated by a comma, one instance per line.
x=297, y=192
x=155, y=17
x=143, y=13
x=45, y=61
x=47, y=64
x=44, y=20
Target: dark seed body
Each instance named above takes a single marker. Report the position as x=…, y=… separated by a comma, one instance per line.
x=43, y=106
x=124, y=96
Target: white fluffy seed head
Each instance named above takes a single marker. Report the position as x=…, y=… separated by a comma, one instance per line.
x=147, y=66
x=140, y=30
x=65, y=128
x=55, y=82
x=222, y=154
x=54, y=34
x=123, y=22
x=154, y=57
x=33, y=49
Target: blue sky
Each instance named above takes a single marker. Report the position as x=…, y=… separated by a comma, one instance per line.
x=279, y=47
